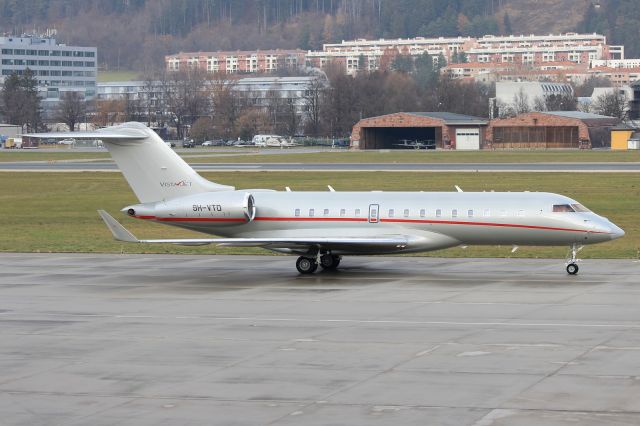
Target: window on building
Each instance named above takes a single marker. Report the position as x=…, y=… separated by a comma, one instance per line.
x=43, y=53
x=7, y=51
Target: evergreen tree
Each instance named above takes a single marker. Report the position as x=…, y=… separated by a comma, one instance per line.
x=507, y=24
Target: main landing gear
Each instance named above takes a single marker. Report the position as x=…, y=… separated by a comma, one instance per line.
x=572, y=261
x=308, y=265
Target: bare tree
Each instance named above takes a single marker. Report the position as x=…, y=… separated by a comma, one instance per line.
x=564, y=102
x=186, y=98
x=539, y=104
x=313, y=99
x=226, y=104
x=612, y=104
x=72, y=109
x=521, y=103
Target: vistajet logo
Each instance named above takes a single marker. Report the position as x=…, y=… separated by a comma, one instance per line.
x=181, y=183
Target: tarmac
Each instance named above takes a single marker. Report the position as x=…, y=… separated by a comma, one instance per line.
x=107, y=166
x=92, y=339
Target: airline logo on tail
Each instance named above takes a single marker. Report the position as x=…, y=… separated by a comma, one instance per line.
x=181, y=183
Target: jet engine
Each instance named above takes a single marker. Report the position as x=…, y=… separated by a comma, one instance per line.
x=219, y=208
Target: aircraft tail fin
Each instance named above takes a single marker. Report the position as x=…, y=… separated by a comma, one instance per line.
x=152, y=169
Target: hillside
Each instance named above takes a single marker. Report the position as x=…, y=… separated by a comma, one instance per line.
x=545, y=16
x=136, y=34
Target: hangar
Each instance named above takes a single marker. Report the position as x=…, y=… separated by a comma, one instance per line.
x=419, y=129
x=552, y=129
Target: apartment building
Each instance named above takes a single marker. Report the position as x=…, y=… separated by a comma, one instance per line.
x=540, y=49
x=59, y=68
x=236, y=62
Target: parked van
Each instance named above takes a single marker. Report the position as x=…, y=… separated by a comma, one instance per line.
x=266, y=140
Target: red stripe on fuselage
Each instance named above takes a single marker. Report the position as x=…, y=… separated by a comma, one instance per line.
x=357, y=219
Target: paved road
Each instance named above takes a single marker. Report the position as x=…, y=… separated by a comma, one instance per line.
x=244, y=340
x=439, y=167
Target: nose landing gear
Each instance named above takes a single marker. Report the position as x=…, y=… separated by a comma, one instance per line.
x=572, y=261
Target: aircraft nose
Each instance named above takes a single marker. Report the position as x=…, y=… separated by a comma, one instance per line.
x=616, y=232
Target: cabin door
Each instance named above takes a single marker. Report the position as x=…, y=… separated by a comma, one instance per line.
x=374, y=213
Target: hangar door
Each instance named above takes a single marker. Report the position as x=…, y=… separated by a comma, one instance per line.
x=468, y=139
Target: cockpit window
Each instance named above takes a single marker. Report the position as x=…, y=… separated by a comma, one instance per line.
x=563, y=208
x=580, y=208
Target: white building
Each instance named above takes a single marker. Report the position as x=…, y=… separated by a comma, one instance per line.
x=510, y=94
x=59, y=68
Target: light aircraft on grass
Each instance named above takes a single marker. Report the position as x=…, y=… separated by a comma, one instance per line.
x=321, y=227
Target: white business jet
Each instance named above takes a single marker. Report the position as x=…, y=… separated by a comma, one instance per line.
x=321, y=227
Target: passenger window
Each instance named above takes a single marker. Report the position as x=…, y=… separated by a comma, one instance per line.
x=342, y=212
x=326, y=212
x=357, y=212
x=406, y=212
x=487, y=212
x=312, y=212
x=470, y=213
x=438, y=213
x=563, y=208
x=391, y=212
x=297, y=212
x=454, y=213
x=423, y=212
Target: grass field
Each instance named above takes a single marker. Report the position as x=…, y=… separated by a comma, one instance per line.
x=108, y=76
x=7, y=156
x=56, y=212
x=343, y=156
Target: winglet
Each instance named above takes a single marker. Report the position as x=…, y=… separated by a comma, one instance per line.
x=119, y=232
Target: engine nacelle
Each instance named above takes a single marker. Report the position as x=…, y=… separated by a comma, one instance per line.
x=219, y=208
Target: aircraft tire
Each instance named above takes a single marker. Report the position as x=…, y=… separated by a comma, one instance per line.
x=306, y=265
x=572, y=269
x=329, y=261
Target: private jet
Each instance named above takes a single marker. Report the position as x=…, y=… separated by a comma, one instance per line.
x=322, y=227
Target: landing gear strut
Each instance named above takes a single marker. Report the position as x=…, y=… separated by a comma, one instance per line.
x=306, y=265
x=572, y=261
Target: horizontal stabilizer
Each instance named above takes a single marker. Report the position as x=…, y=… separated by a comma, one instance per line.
x=119, y=232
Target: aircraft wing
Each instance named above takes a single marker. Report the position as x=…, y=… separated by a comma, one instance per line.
x=392, y=242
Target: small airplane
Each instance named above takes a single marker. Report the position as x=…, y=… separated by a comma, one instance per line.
x=413, y=144
x=321, y=227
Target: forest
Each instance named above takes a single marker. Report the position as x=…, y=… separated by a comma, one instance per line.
x=136, y=34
